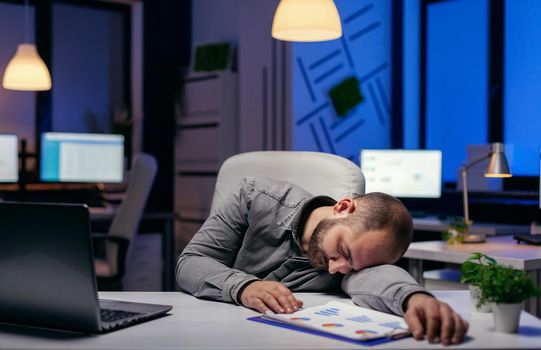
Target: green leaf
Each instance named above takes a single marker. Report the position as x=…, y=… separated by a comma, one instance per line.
x=502, y=284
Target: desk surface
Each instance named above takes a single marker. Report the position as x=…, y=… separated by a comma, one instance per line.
x=198, y=324
x=504, y=249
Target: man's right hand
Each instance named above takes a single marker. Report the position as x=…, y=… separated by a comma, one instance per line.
x=267, y=295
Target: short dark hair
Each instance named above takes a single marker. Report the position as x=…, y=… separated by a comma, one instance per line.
x=380, y=211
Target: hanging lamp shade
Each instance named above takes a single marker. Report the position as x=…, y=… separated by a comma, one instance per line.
x=27, y=71
x=306, y=20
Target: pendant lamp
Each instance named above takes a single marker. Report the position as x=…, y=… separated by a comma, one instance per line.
x=306, y=20
x=26, y=70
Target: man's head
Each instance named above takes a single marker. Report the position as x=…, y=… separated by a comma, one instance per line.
x=368, y=230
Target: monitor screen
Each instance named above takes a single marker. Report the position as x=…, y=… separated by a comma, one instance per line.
x=71, y=157
x=403, y=173
x=9, y=158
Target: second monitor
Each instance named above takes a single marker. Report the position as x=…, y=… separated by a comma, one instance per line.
x=75, y=157
x=9, y=158
x=402, y=173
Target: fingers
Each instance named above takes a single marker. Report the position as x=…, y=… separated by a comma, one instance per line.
x=294, y=301
x=285, y=298
x=273, y=302
x=453, y=327
x=433, y=320
x=414, y=320
x=448, y=325
x=264, y=296
x=461, y=328
x=260, y=306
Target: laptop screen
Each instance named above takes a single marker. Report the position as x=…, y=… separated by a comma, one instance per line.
x=47, y=268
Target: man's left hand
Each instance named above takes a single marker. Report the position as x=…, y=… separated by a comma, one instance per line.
x=427, y=315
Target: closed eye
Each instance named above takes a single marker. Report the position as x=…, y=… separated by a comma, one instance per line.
x=344, y=250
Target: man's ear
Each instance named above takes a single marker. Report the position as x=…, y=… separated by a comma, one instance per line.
x=344, y=207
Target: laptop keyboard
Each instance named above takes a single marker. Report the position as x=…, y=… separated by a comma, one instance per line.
x=109, y=315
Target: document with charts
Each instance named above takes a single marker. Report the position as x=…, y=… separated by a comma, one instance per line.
x=346, y=320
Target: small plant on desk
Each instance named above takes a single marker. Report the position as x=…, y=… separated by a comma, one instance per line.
x=457, y=228
x=473, y=270
x=506, y=288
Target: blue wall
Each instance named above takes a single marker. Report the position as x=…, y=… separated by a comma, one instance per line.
x=522, y=93
x=411, y=70
x=363, y=51
x=457, y=76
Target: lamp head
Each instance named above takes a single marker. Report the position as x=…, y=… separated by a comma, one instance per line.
x=306, y=20
x=26, y=71
x=498, y=166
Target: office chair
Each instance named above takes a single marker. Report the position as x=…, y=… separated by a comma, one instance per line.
x=317, y=173
x=110, y=270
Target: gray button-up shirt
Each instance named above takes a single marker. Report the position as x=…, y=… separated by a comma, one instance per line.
x=255, y=235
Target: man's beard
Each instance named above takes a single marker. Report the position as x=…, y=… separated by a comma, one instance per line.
x=315, y=253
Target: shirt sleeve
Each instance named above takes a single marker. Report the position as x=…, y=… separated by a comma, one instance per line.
x=384, y=288
x=204, y=267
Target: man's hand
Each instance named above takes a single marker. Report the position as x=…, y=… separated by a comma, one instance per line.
x=266, y=295
x=425, y=314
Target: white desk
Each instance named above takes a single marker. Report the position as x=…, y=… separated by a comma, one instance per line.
x=504, y=249
x=198, y=324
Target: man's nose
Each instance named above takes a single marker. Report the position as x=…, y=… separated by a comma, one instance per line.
x=339, y=265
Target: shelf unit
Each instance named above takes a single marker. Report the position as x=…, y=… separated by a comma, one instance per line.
x=206, y=134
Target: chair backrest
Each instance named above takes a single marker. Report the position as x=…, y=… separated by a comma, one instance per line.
x=317, y=173
x=128, y=216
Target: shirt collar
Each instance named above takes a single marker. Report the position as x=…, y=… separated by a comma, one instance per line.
x=295, y=220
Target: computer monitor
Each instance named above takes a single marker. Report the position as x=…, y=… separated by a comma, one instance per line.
x=73, y=157
x=9, y=158
x=402, y=173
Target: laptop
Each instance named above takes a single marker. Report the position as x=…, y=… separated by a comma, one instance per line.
x=47, y=276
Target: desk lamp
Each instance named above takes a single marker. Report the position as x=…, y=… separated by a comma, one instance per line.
x=497, y=167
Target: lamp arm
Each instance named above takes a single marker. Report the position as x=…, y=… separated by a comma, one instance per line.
x=464, y=172
x=468, y=165
x=465, y=195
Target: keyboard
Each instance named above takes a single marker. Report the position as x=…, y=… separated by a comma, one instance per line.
x=529, y=239
x=109, y=315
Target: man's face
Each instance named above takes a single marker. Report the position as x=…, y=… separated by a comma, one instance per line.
x=334, y=246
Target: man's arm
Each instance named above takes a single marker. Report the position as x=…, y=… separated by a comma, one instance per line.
x=204, y=267
x=384, y=288
x=390, y=289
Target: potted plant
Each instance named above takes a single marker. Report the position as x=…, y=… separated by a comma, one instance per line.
x=456, y=231
x=473, y=270
x=506, y=288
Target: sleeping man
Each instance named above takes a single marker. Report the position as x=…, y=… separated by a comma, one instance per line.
x=270, y=238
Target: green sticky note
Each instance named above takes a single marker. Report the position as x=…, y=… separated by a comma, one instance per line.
x=346, y=95
x=212, y=57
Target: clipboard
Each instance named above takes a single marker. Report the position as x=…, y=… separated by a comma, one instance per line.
x=370, y=342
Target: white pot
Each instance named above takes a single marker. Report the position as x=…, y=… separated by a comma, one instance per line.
x=506, y=317
x=475, y=294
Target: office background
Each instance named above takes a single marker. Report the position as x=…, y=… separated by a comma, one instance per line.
x=432, y=75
